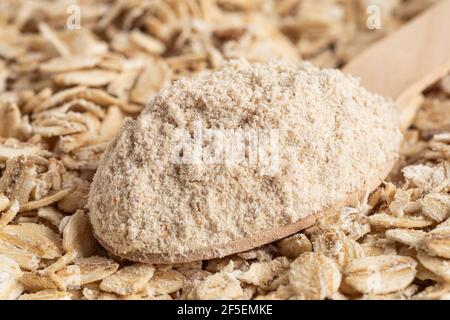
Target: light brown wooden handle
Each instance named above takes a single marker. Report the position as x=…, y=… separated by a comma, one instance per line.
x=404, y=63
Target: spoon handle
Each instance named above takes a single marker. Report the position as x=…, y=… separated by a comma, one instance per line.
x=406, y=62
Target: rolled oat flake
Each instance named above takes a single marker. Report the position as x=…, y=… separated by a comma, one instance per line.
x=234, y=153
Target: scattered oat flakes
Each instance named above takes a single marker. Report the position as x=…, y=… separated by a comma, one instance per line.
x=155, y=76
x=87, y=270
x=51, y=214
x=52, y=198
x=8, y=215
x=10, y=273
x=147, y=42
x=430, y=178
x=70, y=63
x=337, y=246
x=434, y=116
x=439, y=266
x=93, y=292
x=17, y=179
x=412, y=238
x=383, y=220
x=78, y=237
x=132, y=279
x=436, y=206
x=166, y=282
x=294, y=246
x=25, y=259
x=400, y=202
x=261, y=273
x=222, y=285
x=47, y=295
x=436, y=292
x=314, y=276
x=41, y=280
x=91, y=78
x=437, y=242
x=34, y=238
x=380, y=274
x=4, y=202
x=403, y=294
x=282, y=293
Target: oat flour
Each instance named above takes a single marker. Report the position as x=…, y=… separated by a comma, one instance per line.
x=333, y=136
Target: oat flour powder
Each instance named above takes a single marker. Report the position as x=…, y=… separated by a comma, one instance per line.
x=329, y=135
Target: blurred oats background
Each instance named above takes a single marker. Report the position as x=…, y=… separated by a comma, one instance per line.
x=70, y=71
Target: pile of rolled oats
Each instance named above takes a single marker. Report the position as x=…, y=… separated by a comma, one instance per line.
x=70, y=71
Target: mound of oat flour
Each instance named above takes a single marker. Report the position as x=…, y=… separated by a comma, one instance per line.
x=233, y=153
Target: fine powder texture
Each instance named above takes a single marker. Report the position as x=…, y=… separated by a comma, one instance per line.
x=333, y=136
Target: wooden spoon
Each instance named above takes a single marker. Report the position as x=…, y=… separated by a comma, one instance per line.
x=404, y=63
x=399, y=66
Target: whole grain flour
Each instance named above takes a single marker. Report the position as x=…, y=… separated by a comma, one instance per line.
x=332, y=136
